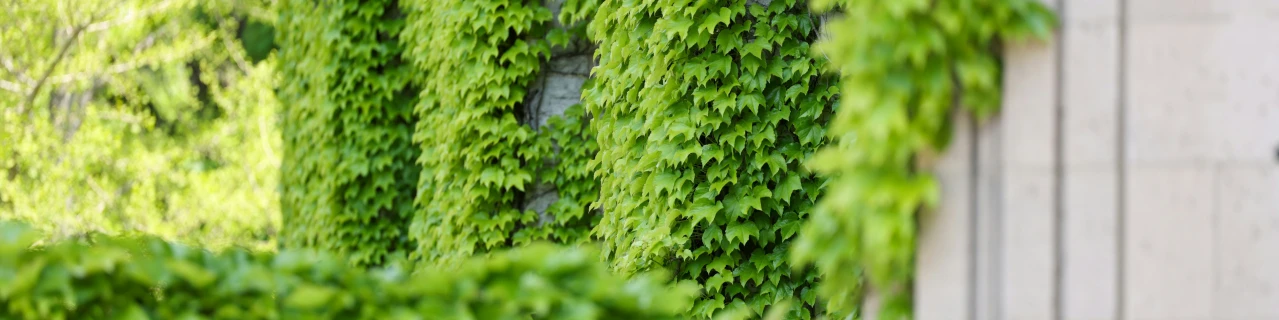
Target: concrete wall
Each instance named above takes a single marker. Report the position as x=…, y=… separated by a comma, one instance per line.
x=1132, y=174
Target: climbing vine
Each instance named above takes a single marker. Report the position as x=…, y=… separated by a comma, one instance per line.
x=348, y=171
x=703, y=113
x=476, y=62
x=905, y=66
x=569, y=218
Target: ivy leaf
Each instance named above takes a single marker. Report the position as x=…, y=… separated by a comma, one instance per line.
x=664, y=181
x=714, y=19
x=695, y=71
x=741, y=231
x=752, y=101
x=711, y=236
x=721, y=264
x=725, y=102
x=788, y=227
x=777, y=114
x=704, y=210
x=558, y=37
x=717, y=281
x=712, y=152
x=786, y=188
x=721, y=66
x=309, y=296
x=192, y=273
x=755, y=48
x=676, y=26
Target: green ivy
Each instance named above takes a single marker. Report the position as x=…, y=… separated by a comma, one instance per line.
x=348, y=171
x=904, y=65
x=485, y=188
x=476, y=61
x=145, y=278
x=569, y=218
x=703, y=113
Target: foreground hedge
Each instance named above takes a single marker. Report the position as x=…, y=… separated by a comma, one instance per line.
x=144, y=278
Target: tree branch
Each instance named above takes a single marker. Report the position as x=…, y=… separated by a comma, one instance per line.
x=7, y=63
x=11, y=86
x=62, y=53
x=226, y=36
x=122, y=67
x=133, y=15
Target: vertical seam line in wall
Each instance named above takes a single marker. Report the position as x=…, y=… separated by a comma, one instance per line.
x=973, y=196
x=1059, y=176
x=996, y=262
x=1121, y=161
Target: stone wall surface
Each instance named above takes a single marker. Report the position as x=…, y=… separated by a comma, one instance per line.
x=558, y=87
x=1132, y=174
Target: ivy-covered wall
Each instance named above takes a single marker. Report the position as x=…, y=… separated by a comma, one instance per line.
x=499, y=168
x=704, y=113
x=493, y=76
x=472, y=143
x=689, y=152
x=349, y=165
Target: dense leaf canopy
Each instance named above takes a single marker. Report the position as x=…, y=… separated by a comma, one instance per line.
x=391, y=159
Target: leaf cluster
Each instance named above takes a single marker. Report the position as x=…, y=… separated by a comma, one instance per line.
x=570, y=219
x=905, y=67
x=475, y=63
x=703, y=112
x=349, y=170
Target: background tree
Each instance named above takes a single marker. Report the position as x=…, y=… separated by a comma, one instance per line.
x=139, y=116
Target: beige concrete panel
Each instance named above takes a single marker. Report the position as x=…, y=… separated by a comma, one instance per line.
x=1027, y=229
x=1247, y=242
x=1174, y=85
x=1245, y=125
x=1090, y=97
x=1029, y=110
x=988, y=219
x=1090, y=91
x=944, y=259
x=1086, y=11
x=1169, y=242
x=1197, y=11
x=1089, y=288
x=1204, y=92
x=1028, y=256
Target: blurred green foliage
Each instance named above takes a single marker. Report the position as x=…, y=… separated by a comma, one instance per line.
x=139, y=116
x=905, y=67
x=403, y=135
x=146, y=278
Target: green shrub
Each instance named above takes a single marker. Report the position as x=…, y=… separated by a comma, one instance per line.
x=146, y=278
